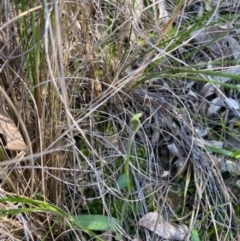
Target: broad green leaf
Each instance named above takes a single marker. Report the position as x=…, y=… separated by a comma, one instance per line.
x=96, y=222
x=122, y=181
x=195, y=235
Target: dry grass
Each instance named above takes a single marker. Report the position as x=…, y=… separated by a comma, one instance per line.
x=76, y=72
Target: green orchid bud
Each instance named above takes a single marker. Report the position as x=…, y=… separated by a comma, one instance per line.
x=135, y=122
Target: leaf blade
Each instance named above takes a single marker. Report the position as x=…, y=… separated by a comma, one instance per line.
x=96, y=222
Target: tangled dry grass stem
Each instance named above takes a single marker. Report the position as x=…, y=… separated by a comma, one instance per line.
x=73, y=73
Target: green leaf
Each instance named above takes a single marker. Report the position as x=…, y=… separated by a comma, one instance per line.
x=3, y=155
x=96, y=222
x=195, y=235
x=122, y=181
x=135, y=121
x=236, y=154
x=38, y=206
x=220, y=151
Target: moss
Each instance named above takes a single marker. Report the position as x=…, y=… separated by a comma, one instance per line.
x=82, y=146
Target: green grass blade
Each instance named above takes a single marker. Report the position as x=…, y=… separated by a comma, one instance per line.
x=220, y=151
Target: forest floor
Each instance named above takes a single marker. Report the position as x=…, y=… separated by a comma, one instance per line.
x=120, y=120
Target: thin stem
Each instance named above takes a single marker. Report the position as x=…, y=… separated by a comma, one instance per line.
x=127, y=175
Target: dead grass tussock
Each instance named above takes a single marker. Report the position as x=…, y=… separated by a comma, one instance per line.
x=98, y=64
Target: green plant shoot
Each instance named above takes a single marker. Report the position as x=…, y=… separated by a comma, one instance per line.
x=134, y=125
